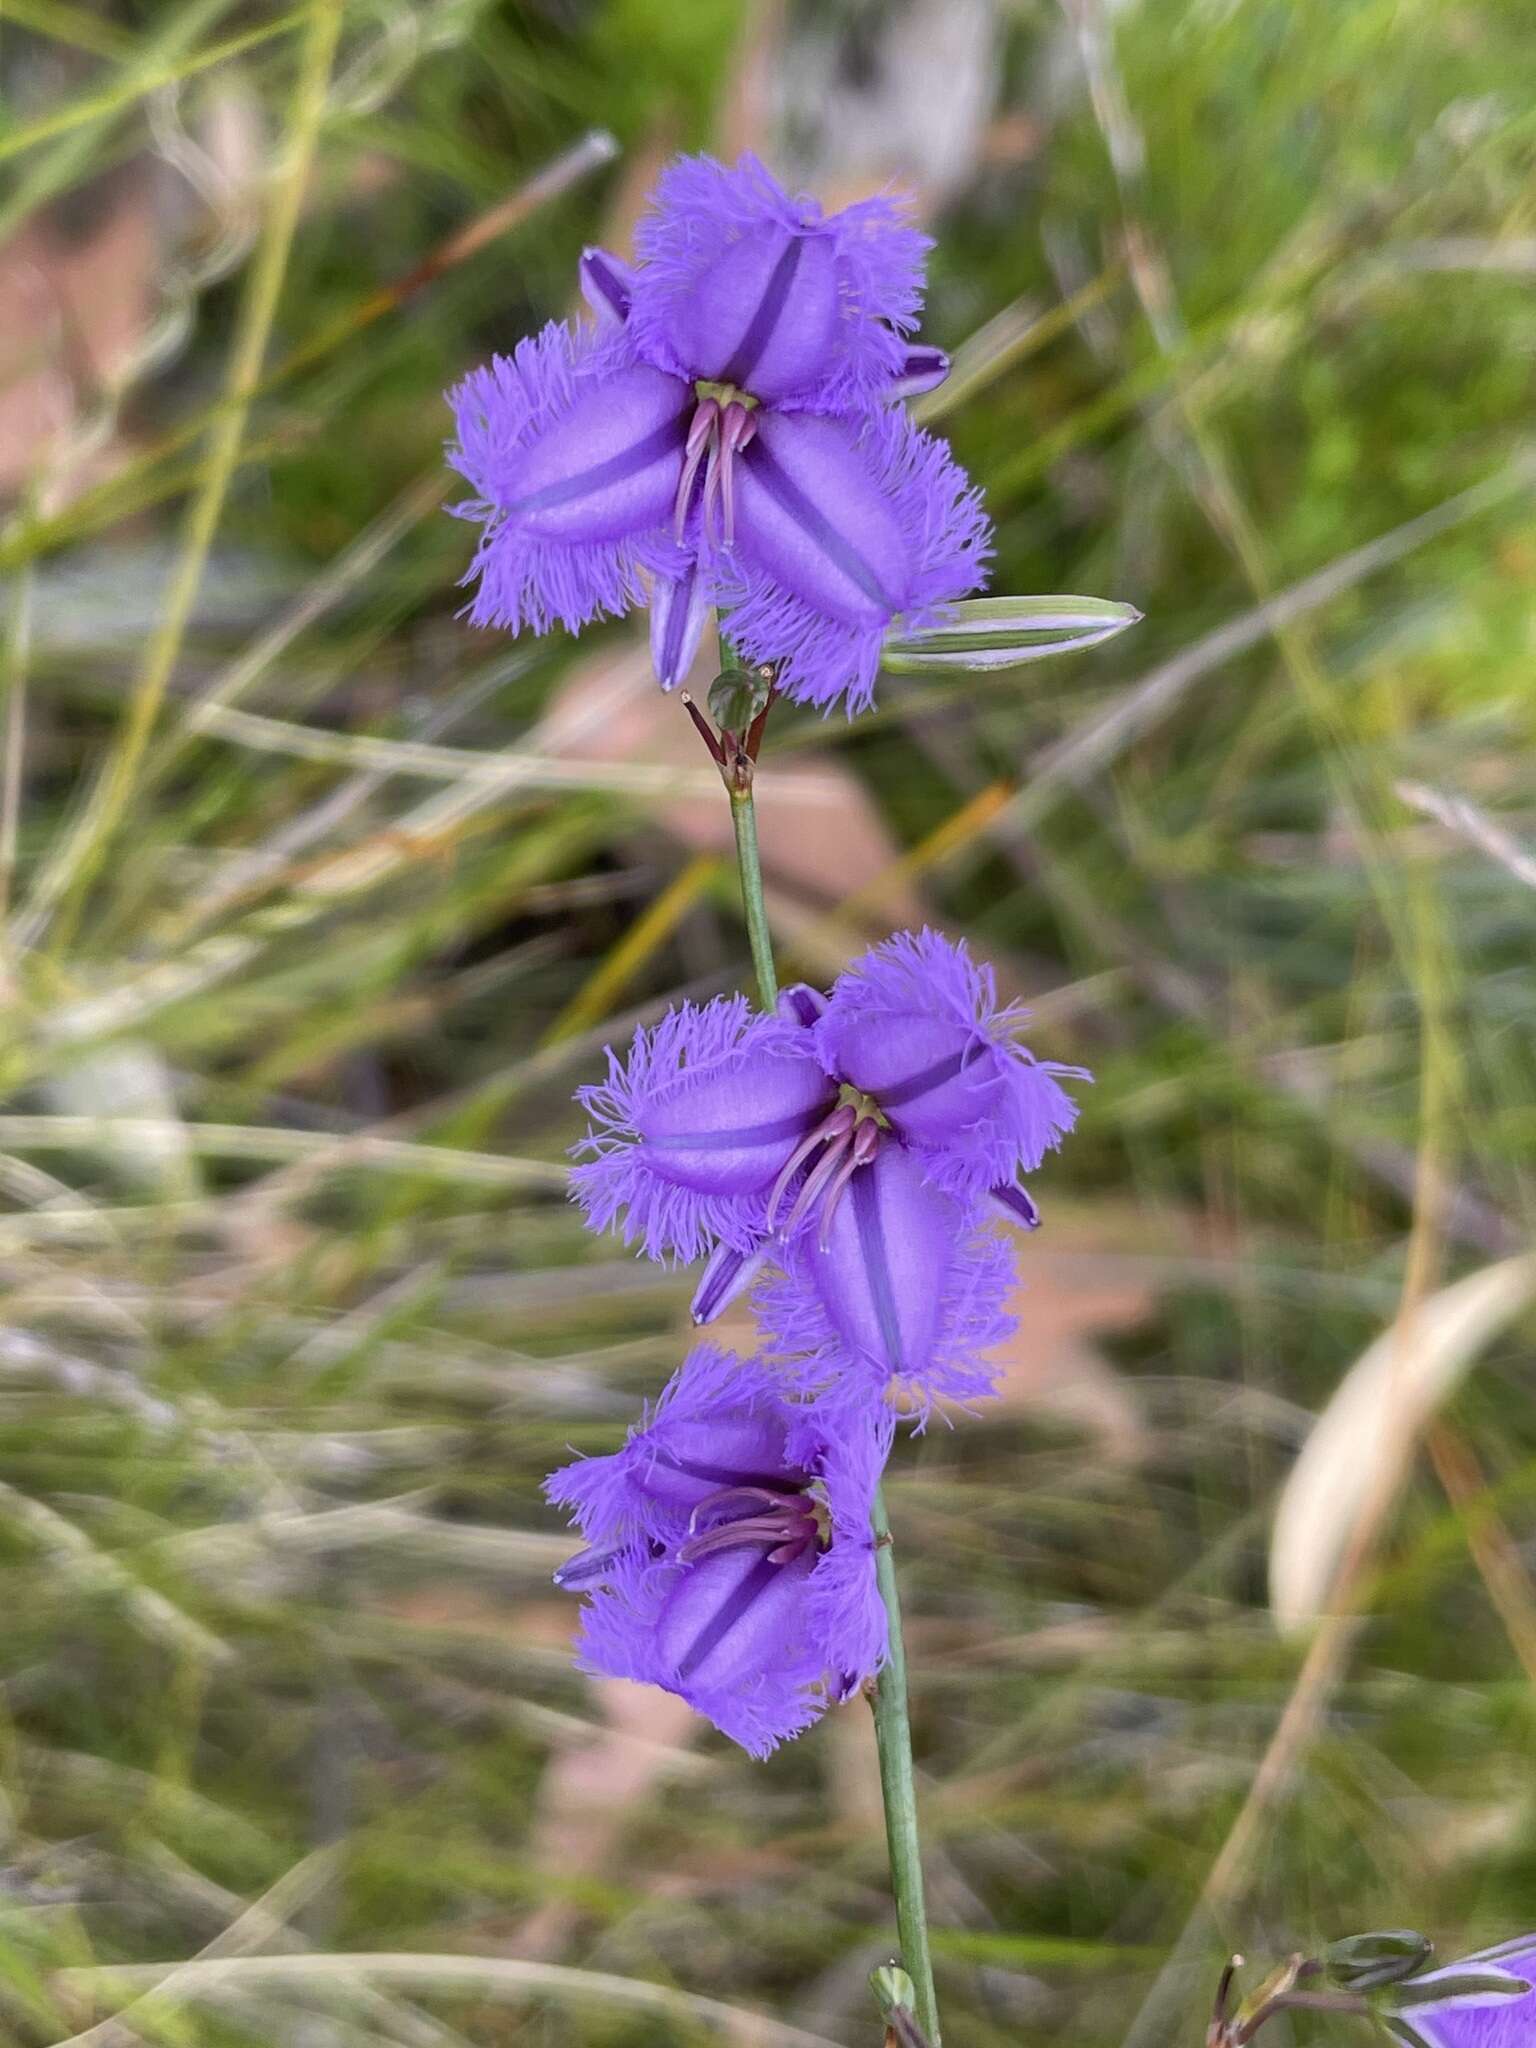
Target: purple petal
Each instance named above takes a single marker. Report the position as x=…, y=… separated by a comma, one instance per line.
x=607, y=284
x=917, y=1025
x=811, y=515
x=908, y=1290
x=840, y=531
x=609, y=466
x=730, y=1618
x=728, y=1274
x=679, y=608
x=721, y=1422
x=740, y=281
x=572, y=493
x=758, y=1704
x=922, y=369
x=691, y=1131
x=730, y=1129
x=847, y=1619
x=764, y=316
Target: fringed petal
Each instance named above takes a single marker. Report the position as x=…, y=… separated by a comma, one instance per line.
x=908, y=1295
x=690, y=1131
x=916, y=1023
x=842, y=529
x=740, y=281
x=575, y=461
x=721, y=1421
x=847, y=1616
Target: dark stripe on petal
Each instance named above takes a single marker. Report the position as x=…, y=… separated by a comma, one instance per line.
x=770, y=308
x=773, y=1133
x=814, y=523
x=725, y=1618
x=629, y=462
x=877, y=1266
x=785, y=1480
x=893, y=1096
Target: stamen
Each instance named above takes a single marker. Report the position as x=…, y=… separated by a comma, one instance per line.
x=699, y=444
x=866, y=1143
x=724, y=1493
x=787, y=1526
x=836, y=1125
x=826, y=1166
x=737, y=428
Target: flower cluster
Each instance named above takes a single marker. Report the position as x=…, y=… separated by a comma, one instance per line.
x=844, y=1155
x=726, y=435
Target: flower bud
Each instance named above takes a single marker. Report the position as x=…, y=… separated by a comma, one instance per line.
x=1362, y=1961
x=1005, y=632
x=737, y=695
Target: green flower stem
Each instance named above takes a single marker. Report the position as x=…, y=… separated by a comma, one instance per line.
x=898, y=1791
x=744, y=818
x=888, y=1692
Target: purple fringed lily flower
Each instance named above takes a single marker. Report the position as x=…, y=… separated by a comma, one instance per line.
x=1466, y=2017
x=731, y=1559
x=860, y=1140
x=726, y=436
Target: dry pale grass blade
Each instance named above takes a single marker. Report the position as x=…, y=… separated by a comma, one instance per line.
x=496, y=1979
x=276, y=1145
x=82, y=851
x=1365, y=1435
x=75, y=1561
x=1093, y=745
x=1474, y=826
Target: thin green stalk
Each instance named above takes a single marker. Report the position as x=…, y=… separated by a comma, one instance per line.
x=888, y=1692
x=898, y=1790
x=744, y=819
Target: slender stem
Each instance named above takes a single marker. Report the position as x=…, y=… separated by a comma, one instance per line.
x=898, y=1790
x=744, y=818
x=888, y=1692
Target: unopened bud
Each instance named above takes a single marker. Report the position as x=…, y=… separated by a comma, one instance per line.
x=1006, y=632
x=737, y=695
x=1362, y=1961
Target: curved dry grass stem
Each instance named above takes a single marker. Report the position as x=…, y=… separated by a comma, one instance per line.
x=61, y=884
x=502, y=1979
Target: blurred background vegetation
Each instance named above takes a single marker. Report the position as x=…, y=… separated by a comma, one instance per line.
x=316, y=906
